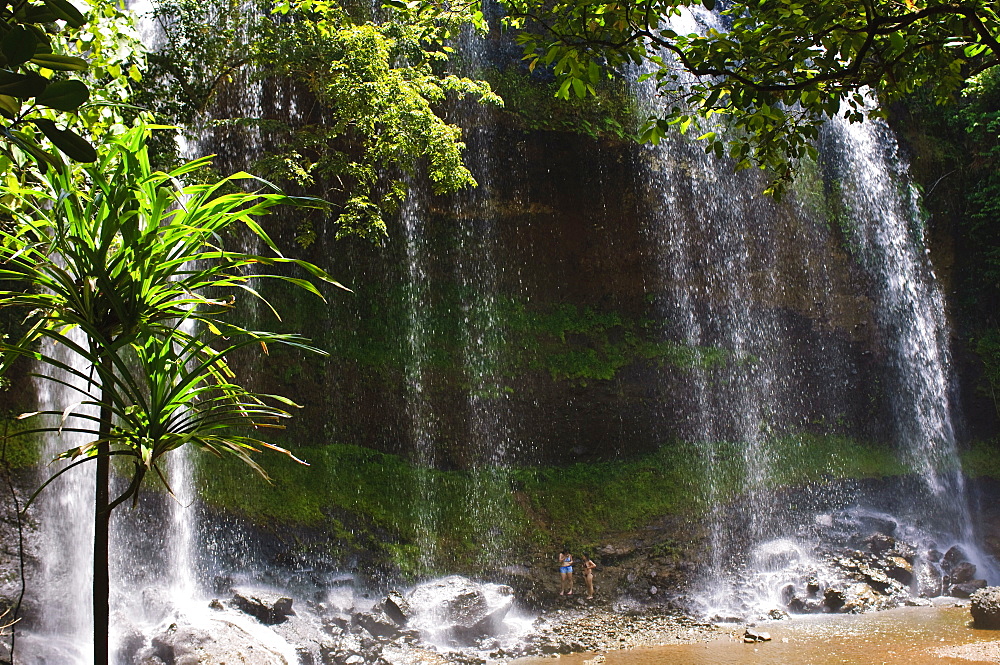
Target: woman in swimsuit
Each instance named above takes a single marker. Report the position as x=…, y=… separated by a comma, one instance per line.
x=588, y=575
x=566, y=574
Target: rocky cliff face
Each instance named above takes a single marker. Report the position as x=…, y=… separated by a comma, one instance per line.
x=548, y=300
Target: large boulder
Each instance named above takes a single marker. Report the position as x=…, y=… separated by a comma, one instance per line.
x=396, y=608
x=212, y=643
x=457, y=608
x=966, y=589
x=268, y=607
x=378, y=624
x=986, y=608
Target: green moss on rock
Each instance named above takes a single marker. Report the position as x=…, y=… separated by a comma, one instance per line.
x=369, y=499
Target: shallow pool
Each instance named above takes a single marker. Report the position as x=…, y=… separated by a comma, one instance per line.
x=904, y=636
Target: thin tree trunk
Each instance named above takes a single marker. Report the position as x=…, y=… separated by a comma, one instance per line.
x=102, y=519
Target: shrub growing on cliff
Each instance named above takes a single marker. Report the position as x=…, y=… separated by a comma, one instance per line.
x=368, y=86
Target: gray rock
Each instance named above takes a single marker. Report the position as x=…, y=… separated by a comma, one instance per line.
x=954, y=556
x=929, y=580
x=377, y=623
x=985, y=608
x=898, y=568
x=151, y=660
x=457, y=608
x=754, y=635
x=834, y=599
x=189, y=645
x=879, y=543
x=267, y=607
x=129, y=643
x=963, y=572
x=396, y=608
x=966, y=589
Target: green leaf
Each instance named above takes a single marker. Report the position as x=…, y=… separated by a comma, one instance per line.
x=64, y=95
x=709, y=4
x=563, y=91
x=22, y=86
x=897, y=41
x=67, y=141
x=9, y=106
x=28, y=144
x=63, y=63
x=66, y=11
x=35, y=14
x=18, y=45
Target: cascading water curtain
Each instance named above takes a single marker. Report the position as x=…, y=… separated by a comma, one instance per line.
x=64, y=515
x=888, y=237
x=423, y=423
x=716, y=239
x=761, y=281
x=479, y=270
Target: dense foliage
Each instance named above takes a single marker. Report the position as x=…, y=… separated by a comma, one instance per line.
x=367, y=91
x=49, y=95
x=126, y=287
x=773, y=71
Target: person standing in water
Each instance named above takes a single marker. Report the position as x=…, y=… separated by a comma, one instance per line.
x=565, y=573
x=588, y=575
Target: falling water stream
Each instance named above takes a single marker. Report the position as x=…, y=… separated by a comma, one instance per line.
x=423, y=426
x=66, y=528
x=734, y=268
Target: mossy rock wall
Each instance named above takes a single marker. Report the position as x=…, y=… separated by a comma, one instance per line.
x=535, y=303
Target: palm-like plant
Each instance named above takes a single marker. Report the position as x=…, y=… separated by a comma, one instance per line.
x=135, y=261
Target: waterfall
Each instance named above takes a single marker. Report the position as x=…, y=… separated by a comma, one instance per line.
x=888, y=236
x=64, y=512
x=423, y=430
x=479, y=270
x=826, y=308
x=767, y=282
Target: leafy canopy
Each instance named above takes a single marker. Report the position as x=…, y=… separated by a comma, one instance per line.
x=47, y=91
x=772, y=70
x=368, y=92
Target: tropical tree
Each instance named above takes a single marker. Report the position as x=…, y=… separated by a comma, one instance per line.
x=128, y=269
x=370, y=89
x=774, y=70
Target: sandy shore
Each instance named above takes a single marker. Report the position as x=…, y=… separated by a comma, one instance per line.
x=980, y=652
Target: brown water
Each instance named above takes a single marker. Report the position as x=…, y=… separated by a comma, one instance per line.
x=904, y=636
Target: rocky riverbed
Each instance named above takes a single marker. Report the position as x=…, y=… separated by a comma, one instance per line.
x=649, y=583
x=602, y=630
x=457, y=621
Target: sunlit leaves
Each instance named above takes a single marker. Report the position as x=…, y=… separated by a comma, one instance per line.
x=771, y=71
x=133, y=259
x=381, y=82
